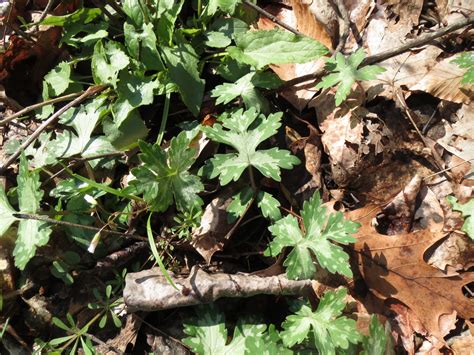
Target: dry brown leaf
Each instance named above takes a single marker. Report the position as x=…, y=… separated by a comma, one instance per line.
x=429, y=215
x=400, y=211
x=456, y=252
x=127, y=335
x=394, y=267
x=444, y=82
x=209, y=237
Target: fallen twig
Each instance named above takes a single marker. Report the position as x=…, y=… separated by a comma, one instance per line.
x=148, y=290
x=272, y=17
x=89, y=92
x=39, y=105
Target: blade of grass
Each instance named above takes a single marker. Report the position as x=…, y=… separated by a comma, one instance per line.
x=156, y=255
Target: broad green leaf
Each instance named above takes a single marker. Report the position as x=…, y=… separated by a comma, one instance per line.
x=223, y=5
x=31, y=233
x=182, y=63
x=133, y=91
x=169, y=10
x=330, y=331
x=268, y=344
x=107, y=62
x=231, y=69
x=466, y=60
x=6, y=213
x=236, y=132
x=136, y=12
x=223, y=30
x=44, y=154
x=126, y=134
x=216, y=39
x=84, y=15
x=164, y=176
x=261, y=48
x=345, y=73
x=376, y=342
x=467, y=211
x=58, y=78
x=207, y=334
x=141, y=45
x=321, y=231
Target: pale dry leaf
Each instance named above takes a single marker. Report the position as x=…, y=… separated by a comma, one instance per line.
x=444, y=82
x=456, y=252
x=429, y=215
x=208, y=238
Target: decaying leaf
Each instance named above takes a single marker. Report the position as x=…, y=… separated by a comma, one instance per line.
x=393, y=267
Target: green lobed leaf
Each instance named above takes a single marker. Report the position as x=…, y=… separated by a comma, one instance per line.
x=345, y=73
x=330, y=331
x=321, y=231
x=207, y=335
x=169, y=11
x=466, y=60
x=107, y=61
x=239, y=204
x=467, y=211
x=269, y=206
x=376, y=342
x=235, y=131
x=164, y=178
x=261, y=48
x=31, y=233
x=182, y=63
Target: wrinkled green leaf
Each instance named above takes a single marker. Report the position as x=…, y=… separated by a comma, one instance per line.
x=330, y=330
x=467, y=211
x=261, y=48
x=345, y=73
x=6, y=213
x=227, y=6
x=236, y=132
x=321, y=231
x=164, y=177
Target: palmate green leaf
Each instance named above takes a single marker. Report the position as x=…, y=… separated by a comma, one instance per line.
x=246, y=87
x=164, y=177
x=378, y=339
x=31, y=233
x=322, y=230
x=207, y=335
x=466, y=60
x=467, y=211
x=345, y=74
x=261, y=48
x=236, y=132
x=182, y=63
x=107, y=61
x=330, y=330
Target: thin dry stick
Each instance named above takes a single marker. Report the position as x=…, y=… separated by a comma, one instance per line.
x=448, y=169
x=39, y=105
x=346, y=25
x=272, y=17
x=380, y=57
x=89, y=92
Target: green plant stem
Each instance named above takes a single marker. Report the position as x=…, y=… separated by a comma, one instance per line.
x=199, y=8
x=80, y=333
x=156, y=255
x=164, y=119
x=252, y=180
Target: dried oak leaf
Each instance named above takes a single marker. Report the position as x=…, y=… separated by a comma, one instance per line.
x=394, y=267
